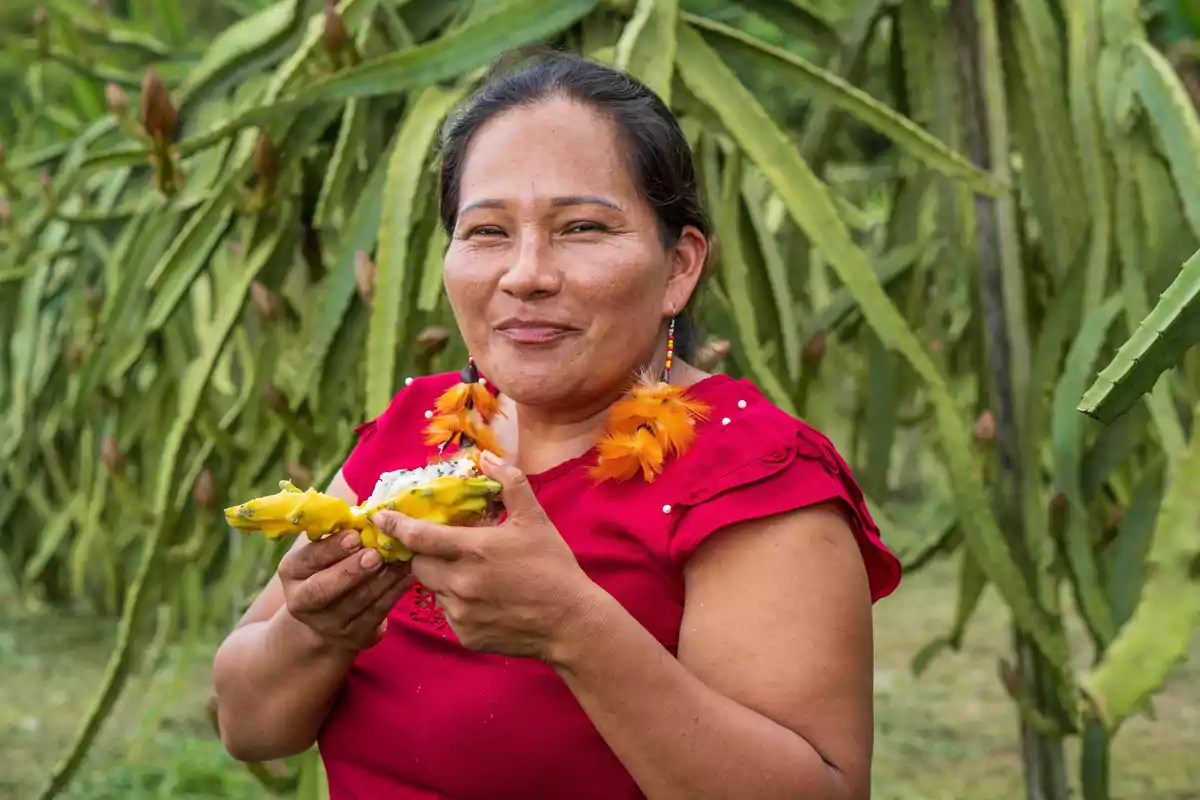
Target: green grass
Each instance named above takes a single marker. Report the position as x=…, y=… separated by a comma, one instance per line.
x=952, y=733
x=949, y=734
x=52, y=665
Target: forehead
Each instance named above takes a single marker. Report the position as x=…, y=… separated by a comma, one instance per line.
x=553, y=148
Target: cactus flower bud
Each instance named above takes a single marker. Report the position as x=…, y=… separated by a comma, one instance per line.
x=335, y=35
x=984, y=429
x=110, y=453
x=266, y=301
x=1056, y=514
x=364, y=276
x=158, y=114
x=431, y=341
x=274, y=398
x=266, y=159
x=117, y=99
x=74, y=355
x=204, y=493
x=814, y=348
x=41, y=29
x=1010, y=679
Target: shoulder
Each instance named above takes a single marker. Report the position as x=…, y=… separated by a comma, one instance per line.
x=752, y=460
x=417, y=395
x=746, y=435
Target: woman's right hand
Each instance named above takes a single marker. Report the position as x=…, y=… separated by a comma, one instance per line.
x=341, y=590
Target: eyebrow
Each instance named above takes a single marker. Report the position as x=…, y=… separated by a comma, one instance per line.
x=557, y=202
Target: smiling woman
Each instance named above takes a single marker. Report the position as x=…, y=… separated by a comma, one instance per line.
x=677, y=600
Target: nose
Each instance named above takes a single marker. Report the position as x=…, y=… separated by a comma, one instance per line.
x=532, y=273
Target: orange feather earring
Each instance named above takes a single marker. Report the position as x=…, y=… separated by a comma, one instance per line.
x=655, y=419
x=463, y=415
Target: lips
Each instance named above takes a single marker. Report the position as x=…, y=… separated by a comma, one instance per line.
x=534, y=331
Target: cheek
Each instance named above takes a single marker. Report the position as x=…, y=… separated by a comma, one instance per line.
x=622, y=289
x=468, y=281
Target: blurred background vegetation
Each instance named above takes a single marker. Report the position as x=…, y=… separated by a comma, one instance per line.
x=959, y=236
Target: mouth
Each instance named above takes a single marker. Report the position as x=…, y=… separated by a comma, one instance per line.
x=534, y=331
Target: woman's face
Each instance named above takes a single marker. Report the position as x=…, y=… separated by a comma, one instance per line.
x=556, y=270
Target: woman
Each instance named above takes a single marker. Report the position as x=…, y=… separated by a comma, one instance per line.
x=703, y=631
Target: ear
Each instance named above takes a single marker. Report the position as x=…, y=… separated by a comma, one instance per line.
x=688, y=258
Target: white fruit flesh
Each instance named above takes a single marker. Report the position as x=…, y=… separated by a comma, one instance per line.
x=391, y=483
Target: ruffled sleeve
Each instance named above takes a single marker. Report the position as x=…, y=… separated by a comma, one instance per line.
x=767, y=463
x=361, y=468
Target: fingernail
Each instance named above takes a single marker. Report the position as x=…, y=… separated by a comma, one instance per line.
x=492, y=458
x=370, y=559
x=350, y=540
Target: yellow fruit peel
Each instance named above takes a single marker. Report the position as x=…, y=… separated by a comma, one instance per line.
x=446, y=499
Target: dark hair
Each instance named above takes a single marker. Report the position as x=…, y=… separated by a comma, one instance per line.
x=657, y=152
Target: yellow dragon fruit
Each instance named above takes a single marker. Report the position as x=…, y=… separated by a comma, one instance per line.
x=448, y=492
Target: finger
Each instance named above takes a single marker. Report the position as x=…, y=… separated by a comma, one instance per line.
x=385, y=602
x=363, y=596
x=515, y=491
x=433, y=573
x=315, y=556
x=447, y=542
x=372, y=622
x=321, y=590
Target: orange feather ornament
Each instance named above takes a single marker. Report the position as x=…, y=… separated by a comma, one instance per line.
x=465, y=428
x=653, y=420
x=464, y=412
x=462, y=396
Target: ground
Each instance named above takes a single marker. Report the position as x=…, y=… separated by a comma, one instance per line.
x=948, y=734
x=952, y=732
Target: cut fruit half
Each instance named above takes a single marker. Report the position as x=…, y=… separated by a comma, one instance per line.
x=447, y=492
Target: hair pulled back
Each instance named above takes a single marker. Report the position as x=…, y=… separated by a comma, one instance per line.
x=655, y=148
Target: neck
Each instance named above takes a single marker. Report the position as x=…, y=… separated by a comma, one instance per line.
x=542, y=436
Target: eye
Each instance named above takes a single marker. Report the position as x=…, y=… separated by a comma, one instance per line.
x=585, y=227
x=485, y=230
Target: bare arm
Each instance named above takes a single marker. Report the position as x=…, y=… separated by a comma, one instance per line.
x=771, y=696
x=277, y=675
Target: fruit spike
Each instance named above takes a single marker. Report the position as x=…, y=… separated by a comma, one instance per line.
x=450, y=492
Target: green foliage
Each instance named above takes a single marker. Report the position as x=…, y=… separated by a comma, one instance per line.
x=1155, y=346
x=221, y=252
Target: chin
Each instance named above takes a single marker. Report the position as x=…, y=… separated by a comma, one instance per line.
x=531, y=383
x=537, y=381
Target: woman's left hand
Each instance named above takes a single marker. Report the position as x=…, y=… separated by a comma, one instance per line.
x=513, y=588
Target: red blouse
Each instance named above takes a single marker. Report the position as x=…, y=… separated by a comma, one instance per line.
x=421, y=717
